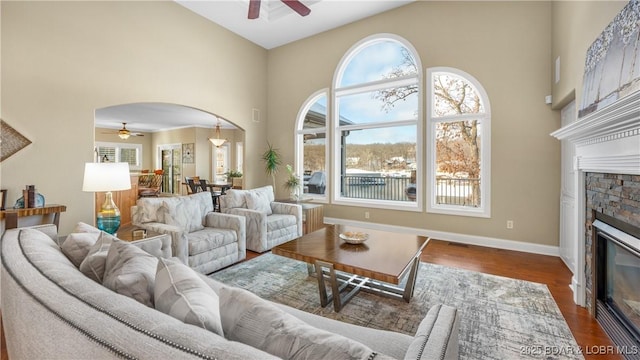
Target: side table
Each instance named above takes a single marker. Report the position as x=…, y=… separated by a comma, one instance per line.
x=12, y=215
x=312, y=215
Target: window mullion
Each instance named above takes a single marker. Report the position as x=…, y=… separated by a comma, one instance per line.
x=377, y=125
x=377, y=85
x=460, y=117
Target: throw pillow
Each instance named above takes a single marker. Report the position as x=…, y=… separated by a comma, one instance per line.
x=180, y=293
x=147, y=210
x=77, y=245
x=259, y=201
x=130, y=271
x=233, y=199
x=93, y=264
x=255, y=322
x=184, y=214
x=85, y=228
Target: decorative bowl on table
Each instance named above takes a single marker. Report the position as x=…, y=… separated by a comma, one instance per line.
x=354, y=237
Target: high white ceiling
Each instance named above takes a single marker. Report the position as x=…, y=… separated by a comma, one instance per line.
x=276, y=26
x=279, y=25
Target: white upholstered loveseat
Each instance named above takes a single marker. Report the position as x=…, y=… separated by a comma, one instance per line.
x=203, y=239
x=269, y=223
x=50, y=309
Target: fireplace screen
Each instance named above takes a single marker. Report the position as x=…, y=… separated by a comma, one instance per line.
x=618, y=281
x=622, y=273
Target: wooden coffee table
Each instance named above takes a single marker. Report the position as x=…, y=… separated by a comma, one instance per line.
x=378, y=265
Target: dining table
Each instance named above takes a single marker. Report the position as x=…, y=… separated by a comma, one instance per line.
x=215, y=195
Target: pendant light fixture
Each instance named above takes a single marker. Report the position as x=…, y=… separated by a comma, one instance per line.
x=217, y=142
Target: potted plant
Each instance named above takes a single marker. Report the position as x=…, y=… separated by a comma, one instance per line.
x=293, y=184
x=235, y=178
x=233, y=173
x=272, y=160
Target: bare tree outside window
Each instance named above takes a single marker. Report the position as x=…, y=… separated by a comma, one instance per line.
x=457, y=142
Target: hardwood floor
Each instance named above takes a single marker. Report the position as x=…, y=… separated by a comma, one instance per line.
x=548, y=270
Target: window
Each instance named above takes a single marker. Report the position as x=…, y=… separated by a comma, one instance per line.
x=119, y=152
x=375, y=129
x=458, y=131
x=311, y=145
x=376, y=125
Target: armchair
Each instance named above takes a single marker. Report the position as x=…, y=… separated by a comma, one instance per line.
x=202, y=239
x=269, y=223
x=149, y=185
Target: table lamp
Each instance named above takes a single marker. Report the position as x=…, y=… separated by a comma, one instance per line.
x=107, y=177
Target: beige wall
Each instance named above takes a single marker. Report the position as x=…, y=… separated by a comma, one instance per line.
x=507, y=47
x=62, y=60
x=576, y=24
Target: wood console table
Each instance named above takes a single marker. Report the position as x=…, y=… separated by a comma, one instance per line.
x=11, y=215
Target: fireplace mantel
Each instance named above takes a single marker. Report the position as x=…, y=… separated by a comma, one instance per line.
x=607, y=140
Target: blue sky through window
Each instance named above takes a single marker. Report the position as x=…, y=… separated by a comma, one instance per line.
x=373, y=63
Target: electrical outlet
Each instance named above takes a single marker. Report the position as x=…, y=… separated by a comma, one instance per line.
x=509, y=224
x=366, y=214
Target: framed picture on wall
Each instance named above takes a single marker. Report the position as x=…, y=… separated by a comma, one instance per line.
x=187, y=153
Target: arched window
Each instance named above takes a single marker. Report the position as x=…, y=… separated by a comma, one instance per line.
x=376, y=125
x=459, y=141
x=311, y=145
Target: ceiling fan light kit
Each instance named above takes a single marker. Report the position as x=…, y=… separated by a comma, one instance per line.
x=295, y=5
x=124, y=133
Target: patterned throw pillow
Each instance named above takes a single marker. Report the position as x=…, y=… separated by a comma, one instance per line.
x=93, y=264
x=233, y=199
x=148, y=210
x=253, y=321
x=180, y=293
x=130, y=271
x=184, y=214
x=77, y=245
x=85, y=228
x=259, y=201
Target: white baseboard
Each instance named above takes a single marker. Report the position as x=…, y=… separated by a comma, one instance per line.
x=454, y=237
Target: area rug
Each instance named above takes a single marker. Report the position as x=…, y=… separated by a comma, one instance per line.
x=501, y=318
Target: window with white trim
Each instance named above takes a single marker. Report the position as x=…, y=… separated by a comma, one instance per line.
x=376, y=125
x=120, y=152
x=311, y=145
x=459, y=130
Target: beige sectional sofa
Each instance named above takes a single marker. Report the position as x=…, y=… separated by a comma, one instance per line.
x=50, y=309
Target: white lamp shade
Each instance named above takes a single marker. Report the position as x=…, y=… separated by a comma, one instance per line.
x=217, y=142
x=106, y=177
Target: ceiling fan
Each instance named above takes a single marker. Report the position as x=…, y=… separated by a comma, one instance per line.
x=295, y=5
x=124, y=133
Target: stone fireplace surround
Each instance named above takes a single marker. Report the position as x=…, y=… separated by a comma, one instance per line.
x=607, y=164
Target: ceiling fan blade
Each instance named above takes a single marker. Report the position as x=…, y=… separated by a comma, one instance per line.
x=297, y=6
x=254, y=9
